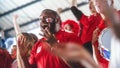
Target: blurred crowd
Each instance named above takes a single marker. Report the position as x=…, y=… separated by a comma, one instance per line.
x=91, y=42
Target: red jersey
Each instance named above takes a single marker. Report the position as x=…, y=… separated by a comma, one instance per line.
x=75, y=26
x=89, y=24
x=65, y=37
x=42, y=56
x=102, y=61
x=5, y=59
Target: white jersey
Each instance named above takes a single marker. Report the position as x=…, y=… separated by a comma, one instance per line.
x=115, y=53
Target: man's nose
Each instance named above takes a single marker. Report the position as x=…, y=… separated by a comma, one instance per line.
x=44, y=25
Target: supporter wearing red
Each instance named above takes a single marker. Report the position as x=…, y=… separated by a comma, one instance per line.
x=5, y=59
x=99, y=57
x=71, y=26
x=41, y=53
x=88, y=24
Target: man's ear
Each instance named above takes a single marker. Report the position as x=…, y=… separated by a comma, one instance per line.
x=58, y=19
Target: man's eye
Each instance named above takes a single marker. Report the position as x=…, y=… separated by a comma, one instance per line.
x=46, y=19
x=49, y=20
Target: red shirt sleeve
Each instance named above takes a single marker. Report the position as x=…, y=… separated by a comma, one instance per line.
x=101, y=26
x=5, y=59
x=84, y=20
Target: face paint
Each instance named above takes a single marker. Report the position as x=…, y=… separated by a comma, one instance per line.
x=45, y=22
x=49, y=20
x=46, y=19
x=52, y=27
x=57, y=27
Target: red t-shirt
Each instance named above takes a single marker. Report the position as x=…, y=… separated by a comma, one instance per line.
x=89, y=24
x=102, y=61
x=75, y=26
x=5, y=59
x=42, y=56
x=65, y=37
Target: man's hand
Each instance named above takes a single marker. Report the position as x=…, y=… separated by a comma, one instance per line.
x=51, y=39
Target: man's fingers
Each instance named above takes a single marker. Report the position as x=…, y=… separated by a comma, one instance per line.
x=47, y=31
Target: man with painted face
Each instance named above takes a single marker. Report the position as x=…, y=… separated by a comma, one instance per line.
x=49, y=23
x=42, y=53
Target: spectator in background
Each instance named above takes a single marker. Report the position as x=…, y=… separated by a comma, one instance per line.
x=113, y=17
x=87, y=23
x=99, y=55
x=25, y=42
x=71, y=26
x=2, y=39
x=102, y=54
x=9, y=42
x=13, y=52
x=5, y=59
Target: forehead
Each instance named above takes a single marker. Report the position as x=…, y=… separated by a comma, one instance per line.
x=47, y=14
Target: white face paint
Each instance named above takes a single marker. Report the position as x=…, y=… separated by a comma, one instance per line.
x=57, y=27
